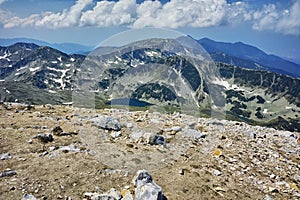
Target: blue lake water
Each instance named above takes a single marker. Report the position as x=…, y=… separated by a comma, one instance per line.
x=129, y=102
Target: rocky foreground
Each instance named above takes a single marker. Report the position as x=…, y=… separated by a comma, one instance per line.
x=57, y=152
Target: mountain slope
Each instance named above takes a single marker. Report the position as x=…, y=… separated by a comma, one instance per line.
x=69, y=48
x=165, y=73
x=251, y=53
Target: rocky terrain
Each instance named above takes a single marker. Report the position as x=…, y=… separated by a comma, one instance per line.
x=176, y=75
x=61, y=152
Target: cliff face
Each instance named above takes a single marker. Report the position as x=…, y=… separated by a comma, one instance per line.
x=64, y=152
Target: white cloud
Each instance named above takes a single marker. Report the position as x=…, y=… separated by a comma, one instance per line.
x=180, y=13
x=174, y=14
x=285, y=21
x=66, y=18
x=107, y=13
x=2, y=1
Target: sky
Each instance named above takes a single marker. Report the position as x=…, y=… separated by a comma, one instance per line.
x=271, y=25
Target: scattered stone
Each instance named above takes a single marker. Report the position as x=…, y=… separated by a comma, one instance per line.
x=106, y=122
x=71, y=147
x=297, y=178
x=220, y=189
x=146, y=188
x=193, y=133
x=5, y=156
x=251, y=134
x=7, y=172
x=44, y=137
x=136, y=136
x=217, y=152
x=298, y=140
x=174, y=129
x=129, y=125
x=293, y=186
x=53, y=148
x=116, y=134
x=28, y=197
x=126, y=194
x=43, y=154
x=90, y=195
x=217, y=172
x=268, y=198
x=57, y=130
x=273, y=190
x=113, y=194
x=181, y=171
x=155, y=139
x=272, y=176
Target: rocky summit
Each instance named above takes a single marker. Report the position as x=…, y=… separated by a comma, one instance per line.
x=61, y=152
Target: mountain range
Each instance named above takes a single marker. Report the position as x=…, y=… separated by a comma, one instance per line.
x=170, y=74
x=69, y=48
x=237, y=53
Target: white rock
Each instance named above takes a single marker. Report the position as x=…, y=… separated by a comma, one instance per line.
x=146, y=188
x=217, y=172
x=28, y=197
x=193, y=134
x=116, y=134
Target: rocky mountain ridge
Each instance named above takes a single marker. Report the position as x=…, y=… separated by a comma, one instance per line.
x=39, y=75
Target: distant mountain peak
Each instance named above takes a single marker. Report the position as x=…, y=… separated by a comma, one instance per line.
x=69, y=48
x=251, y=53
x=24, y=45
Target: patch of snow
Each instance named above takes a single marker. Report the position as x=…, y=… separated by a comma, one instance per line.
x=9, y=65
x=187, y=51
x=67, y=103
x=54, y=62
x=53, y=69
x=34, y=69
x=151, y=53
x=227, y=85
x=112, y=62
x=72, y=59
x=52, y=91
x=21, y=68
x=60, y=80
x=222, y=82
x=7, y=91
x=288, y=107
x=257, y=65
x=2, y=80
x=59, y=58
x=68, y=65
x=17, y=74
x=5, y=56
x=265, y=111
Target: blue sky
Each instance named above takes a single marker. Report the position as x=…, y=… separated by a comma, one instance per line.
x=271, y=25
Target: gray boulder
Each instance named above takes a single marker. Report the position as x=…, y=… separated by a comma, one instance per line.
x=44, y=137
x=155, y=139
x=146, y=188
x=7, y=172
x=106, y=122
x=193, y=134
x=5, y=156
x=28, y=197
